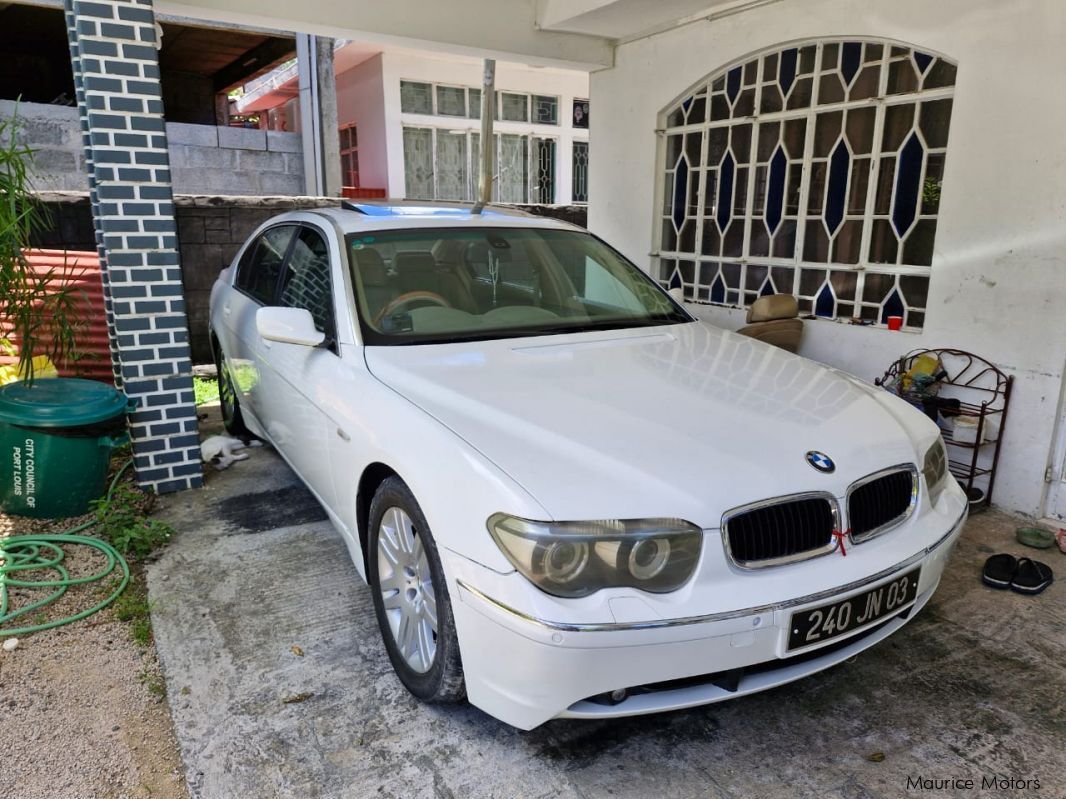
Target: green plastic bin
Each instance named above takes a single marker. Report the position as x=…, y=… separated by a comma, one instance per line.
x=56, y=438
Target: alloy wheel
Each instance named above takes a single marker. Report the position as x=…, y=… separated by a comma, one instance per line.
x=406, y=586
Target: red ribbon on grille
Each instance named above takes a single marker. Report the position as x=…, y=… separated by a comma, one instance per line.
x=839, y=535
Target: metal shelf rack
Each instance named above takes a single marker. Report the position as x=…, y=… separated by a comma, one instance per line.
x=971, y=387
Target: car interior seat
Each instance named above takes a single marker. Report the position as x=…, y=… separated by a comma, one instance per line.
x=377, y=285
x=417, y=270
x=775, y=320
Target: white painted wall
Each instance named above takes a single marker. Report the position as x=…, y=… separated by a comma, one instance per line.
x=361, y=100
x=404, y=65
x=998, y=283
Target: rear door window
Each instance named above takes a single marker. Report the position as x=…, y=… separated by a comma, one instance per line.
x=259, y=270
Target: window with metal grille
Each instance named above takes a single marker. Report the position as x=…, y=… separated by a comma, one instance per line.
x=580, y=172
x=442, y=164
x=349, y=156
x=812, y=170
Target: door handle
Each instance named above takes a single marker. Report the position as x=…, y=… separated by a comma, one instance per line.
x=226, y=309
x=343, y=436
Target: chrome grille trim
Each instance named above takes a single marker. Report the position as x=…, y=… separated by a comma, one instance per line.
x=908, y=468
x=831, y=546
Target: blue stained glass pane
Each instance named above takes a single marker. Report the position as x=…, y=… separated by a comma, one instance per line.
x=786, y=70
x=732, y=84
x=923, y=60
x=718, y=289
x=850, y=58
x=725, y=191
x=767, y=288
x=675, y=280
x=775, y=191
x=825, y=304
x=893, y=307
x=908, y=176
x=837, y=191
x=680, y=192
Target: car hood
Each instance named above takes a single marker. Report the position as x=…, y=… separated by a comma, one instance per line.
x=681, y=421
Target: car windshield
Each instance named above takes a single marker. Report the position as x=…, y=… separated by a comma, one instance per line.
x=422, y=285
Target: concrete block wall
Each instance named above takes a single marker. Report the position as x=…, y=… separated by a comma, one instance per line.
x=53, y=131
x=236, y=161
x=204, y=159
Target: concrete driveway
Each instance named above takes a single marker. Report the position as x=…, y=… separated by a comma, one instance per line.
x=973, y=688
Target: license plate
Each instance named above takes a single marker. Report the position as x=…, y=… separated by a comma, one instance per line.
x=815, y=625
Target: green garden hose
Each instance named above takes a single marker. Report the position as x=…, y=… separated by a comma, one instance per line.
x=25, y=553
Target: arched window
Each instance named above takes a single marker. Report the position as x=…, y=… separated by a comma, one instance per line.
x=812, y=170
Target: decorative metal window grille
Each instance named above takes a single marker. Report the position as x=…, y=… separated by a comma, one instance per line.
x=813, y=170
x=545, y=110
x=543, y=171
x=580, y=173
x=442, y=164
x=349, y=136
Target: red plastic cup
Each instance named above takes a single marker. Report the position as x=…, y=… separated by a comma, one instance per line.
x=895, y=322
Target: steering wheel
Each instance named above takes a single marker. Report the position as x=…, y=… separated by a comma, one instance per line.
x=406, y=299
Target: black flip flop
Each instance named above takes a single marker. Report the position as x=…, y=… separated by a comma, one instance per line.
x=999, y=571
x=1032, y=577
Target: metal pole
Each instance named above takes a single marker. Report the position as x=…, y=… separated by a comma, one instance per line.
x=488, y=114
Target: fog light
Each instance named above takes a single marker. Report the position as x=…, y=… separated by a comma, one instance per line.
x=619, y=695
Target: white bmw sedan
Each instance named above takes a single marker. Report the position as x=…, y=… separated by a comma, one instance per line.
x=569, y=497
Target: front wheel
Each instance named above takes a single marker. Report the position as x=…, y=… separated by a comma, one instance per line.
x=411, y=598
x=227, y=396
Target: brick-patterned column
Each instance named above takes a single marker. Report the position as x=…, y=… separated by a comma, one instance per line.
x=116, y=77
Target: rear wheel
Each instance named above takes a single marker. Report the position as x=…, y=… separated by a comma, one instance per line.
x=227, y=396
x=411, y=598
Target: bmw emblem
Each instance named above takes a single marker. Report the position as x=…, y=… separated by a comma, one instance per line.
x=821, y=461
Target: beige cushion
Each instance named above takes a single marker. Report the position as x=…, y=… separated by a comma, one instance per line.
x=783, y=333
x=775, y=306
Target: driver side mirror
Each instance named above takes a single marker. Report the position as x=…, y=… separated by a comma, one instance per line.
x=289, y=326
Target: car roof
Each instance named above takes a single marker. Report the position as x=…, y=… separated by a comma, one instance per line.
x=354, y=217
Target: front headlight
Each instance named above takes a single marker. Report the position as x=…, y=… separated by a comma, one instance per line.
x=572, y=559
x=935, y=470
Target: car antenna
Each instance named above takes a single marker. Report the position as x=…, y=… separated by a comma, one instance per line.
x=488, y=114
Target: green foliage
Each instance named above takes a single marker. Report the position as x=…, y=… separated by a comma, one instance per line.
x=132, y=607
x=206, y=390
x=122, y=521
x=41, y=309
x=931, y=194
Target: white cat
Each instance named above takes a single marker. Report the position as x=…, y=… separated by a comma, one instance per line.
x=220, y=450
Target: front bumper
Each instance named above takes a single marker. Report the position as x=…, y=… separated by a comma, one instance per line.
x=525, y=670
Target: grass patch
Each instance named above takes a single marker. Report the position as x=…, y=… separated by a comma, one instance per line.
x=132, y=607
x=205, y=389
x=155, y=685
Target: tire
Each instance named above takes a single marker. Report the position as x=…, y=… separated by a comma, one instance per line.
x=403, y=558
x=227, y=397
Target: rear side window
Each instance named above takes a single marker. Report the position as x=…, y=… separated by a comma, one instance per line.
x=259, y=270
x=307, y=279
